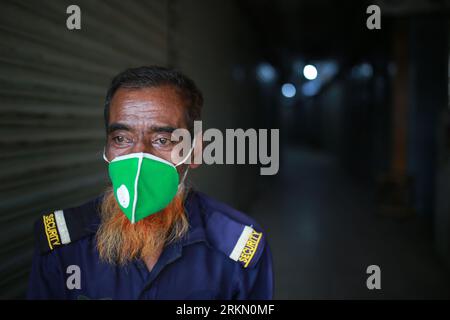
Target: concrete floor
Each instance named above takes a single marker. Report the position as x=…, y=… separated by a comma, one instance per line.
x=324, y=232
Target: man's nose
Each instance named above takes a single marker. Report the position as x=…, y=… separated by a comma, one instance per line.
x=141, y=146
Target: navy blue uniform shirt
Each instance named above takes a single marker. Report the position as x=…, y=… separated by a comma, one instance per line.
x=224, y=255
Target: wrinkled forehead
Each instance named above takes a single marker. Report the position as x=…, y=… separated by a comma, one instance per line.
x=145, y=107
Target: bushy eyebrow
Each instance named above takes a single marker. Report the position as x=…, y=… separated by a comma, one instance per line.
x=167, y=129
x=121, y=126
x=118, y=126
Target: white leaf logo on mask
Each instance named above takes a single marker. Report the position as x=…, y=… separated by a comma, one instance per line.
x=123, y=196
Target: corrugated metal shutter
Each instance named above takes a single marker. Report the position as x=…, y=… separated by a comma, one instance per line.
x=52, y=86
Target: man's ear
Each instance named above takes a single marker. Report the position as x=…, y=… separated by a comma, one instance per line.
x=197, y=153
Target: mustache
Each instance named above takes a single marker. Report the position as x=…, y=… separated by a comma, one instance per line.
x=119, y=241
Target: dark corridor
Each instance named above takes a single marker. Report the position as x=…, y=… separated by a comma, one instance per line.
x=364, y=139
x=325, y=237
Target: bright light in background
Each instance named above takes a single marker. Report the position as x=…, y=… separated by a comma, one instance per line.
x=366, y=70
x=319, y=74
x=362, y=71
x=265, y=72
x=310, y=72
x=288, y=90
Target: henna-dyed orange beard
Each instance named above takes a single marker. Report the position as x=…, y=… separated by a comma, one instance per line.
x=119, y=241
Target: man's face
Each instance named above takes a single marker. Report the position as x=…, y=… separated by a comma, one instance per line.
x=142, y=120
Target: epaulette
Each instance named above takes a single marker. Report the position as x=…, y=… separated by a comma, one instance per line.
x=240, y=242
x=62, y=227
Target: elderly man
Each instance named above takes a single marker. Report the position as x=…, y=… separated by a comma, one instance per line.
x=149, y=236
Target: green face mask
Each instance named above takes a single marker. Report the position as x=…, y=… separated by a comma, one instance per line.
x=143, y=184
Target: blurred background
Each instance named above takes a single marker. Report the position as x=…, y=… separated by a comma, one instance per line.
x=364, y=118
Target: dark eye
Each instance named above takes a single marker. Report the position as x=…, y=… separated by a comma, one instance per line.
x=120, y=139
x=163, y=141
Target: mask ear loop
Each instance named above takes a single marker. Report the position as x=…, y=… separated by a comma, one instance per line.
x=184, y=176
x=188, y=155
x=185, y=158
x=104, y=156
